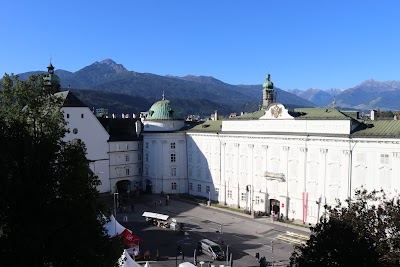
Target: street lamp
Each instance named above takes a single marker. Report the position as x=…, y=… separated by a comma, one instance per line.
x=115, y=213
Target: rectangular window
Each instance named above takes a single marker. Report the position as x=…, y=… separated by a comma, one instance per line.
x=217, y=191
x=67, y=116
x=173, y=157
x=127, y=146
x=191, y=186
x=243, y=196
x=147, y=170
x=118, y=147
x=127, y=171
x=173, y=171
x=384, y=158
x=172, y=145
x=147, y=157
x=230, y=194
x=147, y=145
x=257, y=200
x=140, y=170
x=208, y=189
x=82, y=116
x=173, y=186
x=198, y=187
x=127, y=158
x=139, y=156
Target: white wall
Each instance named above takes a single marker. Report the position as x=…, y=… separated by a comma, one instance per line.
x=95, y=137
x=157, y=152
x=318, y=166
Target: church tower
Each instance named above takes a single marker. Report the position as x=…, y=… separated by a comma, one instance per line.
x=51, y=81
x=268, y=92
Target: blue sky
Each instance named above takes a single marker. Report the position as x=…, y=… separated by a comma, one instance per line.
x=303, y=44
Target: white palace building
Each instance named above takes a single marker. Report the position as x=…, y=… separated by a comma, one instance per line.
x=290, y=161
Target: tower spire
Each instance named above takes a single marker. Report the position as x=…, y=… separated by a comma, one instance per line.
x=268, y=92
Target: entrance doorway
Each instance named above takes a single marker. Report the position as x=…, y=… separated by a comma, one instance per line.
x=275, y=206
x=148, y=186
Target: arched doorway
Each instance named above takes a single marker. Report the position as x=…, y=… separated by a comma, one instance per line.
x=275, y=206
x=148, y=186
x=124, y=190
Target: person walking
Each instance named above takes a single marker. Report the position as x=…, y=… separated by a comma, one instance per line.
x=155, y=203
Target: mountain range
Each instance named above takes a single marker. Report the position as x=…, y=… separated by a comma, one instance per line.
x=110, y=85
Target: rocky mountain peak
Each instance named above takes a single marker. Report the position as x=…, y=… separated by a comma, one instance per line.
x=110, y=65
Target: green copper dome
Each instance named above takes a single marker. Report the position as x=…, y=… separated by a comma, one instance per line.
x=162, y=110
x=268, y=85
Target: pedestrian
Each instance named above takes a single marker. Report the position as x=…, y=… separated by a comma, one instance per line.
x=125, y=218
x=133, y=207
x=155, y=203
x=160, y=203
x=183, y=256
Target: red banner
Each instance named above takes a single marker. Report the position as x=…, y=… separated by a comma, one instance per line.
x=305, y=206
x=129, y=238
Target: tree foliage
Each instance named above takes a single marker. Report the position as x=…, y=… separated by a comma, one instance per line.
x=364, y=232
x=50, y=214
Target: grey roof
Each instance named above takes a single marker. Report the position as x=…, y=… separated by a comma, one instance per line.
x=69, y=99
x=120, y=129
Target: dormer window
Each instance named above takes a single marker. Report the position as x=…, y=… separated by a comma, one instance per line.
x=82, y=115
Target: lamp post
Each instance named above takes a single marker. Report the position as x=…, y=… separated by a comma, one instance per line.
x=115, y=212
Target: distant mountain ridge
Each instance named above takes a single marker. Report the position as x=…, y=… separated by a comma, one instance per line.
x=369, y=94
x=108, y=76
x=204, y=93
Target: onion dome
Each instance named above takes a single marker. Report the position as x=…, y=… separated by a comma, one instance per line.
x=51, y=80
x=162, y=110
x=268, y=85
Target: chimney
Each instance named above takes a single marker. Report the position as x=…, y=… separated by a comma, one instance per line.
x=373, y=115
x=138, y=126
x=216, y=115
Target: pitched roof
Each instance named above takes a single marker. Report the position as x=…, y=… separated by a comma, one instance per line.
x=301, y=113
x=208, y=126
x=69, y=99
x=380, y=128
x=120, y=129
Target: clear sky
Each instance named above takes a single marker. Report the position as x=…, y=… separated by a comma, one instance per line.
x=303, y=44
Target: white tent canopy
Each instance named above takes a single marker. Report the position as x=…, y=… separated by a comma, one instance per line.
x=153, y=215
x=113, y=227
x=126, y=261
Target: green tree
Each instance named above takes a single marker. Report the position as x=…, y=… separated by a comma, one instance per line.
x=364, y=232
x=50, y=214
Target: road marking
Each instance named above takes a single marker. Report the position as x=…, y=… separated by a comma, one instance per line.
x=239, y=237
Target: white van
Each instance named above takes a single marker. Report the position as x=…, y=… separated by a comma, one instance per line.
x=211, y=249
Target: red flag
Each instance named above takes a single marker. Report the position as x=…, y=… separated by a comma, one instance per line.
x=129, y=238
